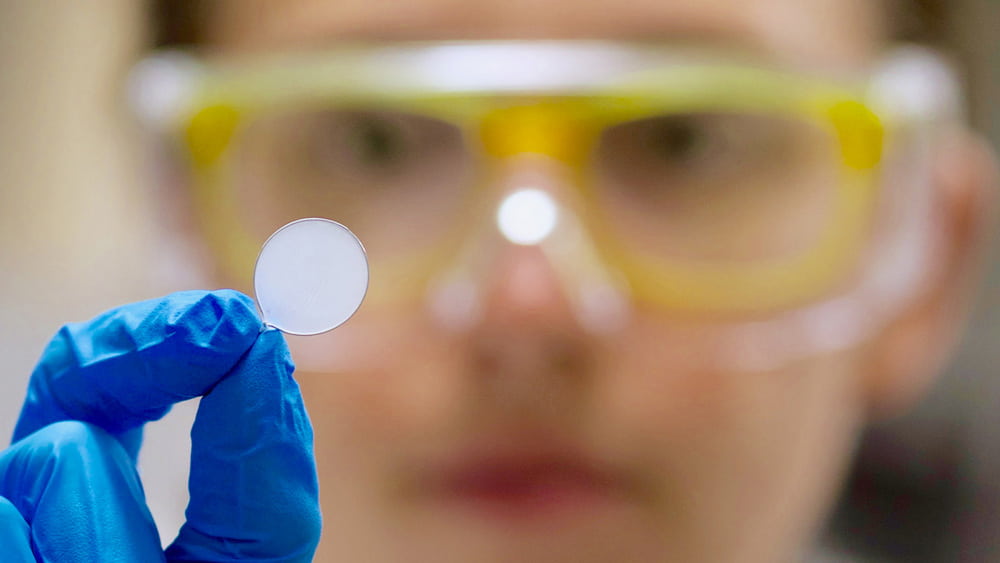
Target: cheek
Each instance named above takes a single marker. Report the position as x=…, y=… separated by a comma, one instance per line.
x=389, y=383
x=755, y=456
x=664, y=384
x=388, y=392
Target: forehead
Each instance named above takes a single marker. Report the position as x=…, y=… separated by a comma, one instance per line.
x=834, y=33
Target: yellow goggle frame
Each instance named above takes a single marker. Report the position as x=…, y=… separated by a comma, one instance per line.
x=550, y=98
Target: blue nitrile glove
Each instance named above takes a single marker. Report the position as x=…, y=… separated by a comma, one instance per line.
x=69, y=491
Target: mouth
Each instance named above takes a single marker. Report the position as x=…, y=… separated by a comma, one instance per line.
x=518, y=485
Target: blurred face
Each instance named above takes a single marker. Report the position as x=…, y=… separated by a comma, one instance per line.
x=527, y=436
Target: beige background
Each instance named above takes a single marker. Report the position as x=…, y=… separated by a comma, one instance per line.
x=76, y=220
x=77, y=226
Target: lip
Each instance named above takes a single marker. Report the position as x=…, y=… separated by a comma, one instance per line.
x=529, y=483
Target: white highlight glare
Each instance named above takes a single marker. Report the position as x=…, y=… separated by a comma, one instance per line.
x=527, y=216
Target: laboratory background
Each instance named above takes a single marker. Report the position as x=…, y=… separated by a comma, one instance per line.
x=78, y=234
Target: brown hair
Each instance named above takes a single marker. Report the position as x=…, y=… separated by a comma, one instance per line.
x=921, y=21
x=177, y=23
x=180, y=22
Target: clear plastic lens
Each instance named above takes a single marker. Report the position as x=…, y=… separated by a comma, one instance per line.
x=311, y=276
x=718, y=187
x=398, y=179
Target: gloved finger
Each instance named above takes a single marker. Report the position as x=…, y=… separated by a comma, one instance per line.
x=14, y=534
x=129, y=365
x=253, y=485
x=79, y=497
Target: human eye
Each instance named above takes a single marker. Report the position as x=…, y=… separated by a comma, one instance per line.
x=396, y=178
x=679, y=141
x=675, y=151
x=694, y=145
x=365, y=143
x=699, y=185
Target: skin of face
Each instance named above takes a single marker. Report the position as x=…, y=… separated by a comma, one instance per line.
x=693, y=462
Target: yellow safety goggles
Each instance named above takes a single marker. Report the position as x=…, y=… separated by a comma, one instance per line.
x=696, y=180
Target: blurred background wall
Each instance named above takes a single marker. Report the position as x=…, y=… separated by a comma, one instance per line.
x=76, y=232
x=76, y=219
x=926, y=487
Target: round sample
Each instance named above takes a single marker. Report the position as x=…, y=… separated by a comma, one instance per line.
x=310, y=277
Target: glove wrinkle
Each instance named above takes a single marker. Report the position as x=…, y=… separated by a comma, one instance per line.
x=129, y=365
x=253, y=484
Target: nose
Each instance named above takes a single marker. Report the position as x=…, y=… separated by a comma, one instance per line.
x=528, y=339
x=523, y=291
x=524, y=282
x=532, y=261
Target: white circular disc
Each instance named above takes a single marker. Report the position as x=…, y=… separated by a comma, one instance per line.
x=310, y=277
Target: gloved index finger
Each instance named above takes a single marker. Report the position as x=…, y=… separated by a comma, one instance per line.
x=253, y=483
x=129, y=365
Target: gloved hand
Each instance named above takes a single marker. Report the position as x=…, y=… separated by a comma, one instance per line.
x=69, y=490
